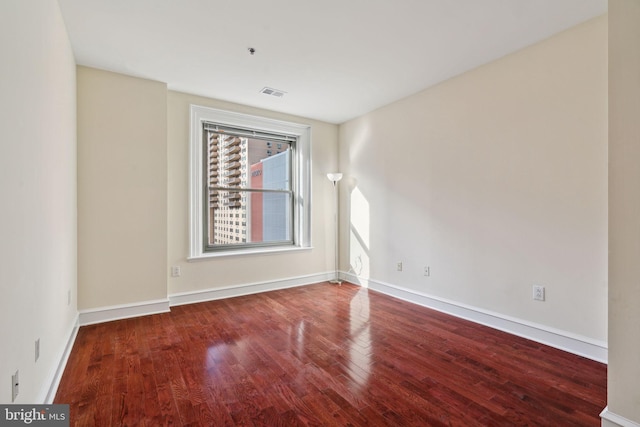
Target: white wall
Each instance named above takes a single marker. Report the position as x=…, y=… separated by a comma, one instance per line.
x=497, y=180
x=277, y=269
x=38, y=191
x=623, y=386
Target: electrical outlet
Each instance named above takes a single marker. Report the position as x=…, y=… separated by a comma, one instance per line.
x=538, y=293
x=15, y=384
x=37, y=349
x=427, y=271
x=399, y=266
x=176, y=271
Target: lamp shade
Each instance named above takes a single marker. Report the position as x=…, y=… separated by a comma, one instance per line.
x=334, y=176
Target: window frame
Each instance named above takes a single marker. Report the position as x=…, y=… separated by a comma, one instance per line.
x=301, y=180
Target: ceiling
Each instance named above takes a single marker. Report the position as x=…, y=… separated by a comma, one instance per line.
x=335, y=59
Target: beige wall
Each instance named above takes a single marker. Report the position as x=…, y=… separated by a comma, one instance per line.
x=210, y=274
x=122, y=189
x=38, y=189
x=133, y=167
x=497, y=180
x=624, y=209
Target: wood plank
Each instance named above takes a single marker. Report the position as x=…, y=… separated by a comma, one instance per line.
x=322, y=355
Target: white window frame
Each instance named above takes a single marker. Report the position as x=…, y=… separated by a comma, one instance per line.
x=301, y=175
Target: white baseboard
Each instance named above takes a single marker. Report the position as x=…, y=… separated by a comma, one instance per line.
x=48, y=392
x=573, y=343
x=563, y=340
x=609, y=419
x=124, y=311
x=248, y=289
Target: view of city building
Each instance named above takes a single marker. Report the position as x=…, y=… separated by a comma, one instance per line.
x=241, y=217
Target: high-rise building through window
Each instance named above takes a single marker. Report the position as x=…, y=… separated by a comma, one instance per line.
x=249, y=188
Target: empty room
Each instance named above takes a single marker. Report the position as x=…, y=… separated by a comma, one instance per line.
x=289, y=213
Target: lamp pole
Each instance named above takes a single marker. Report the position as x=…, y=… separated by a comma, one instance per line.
x=334, y=177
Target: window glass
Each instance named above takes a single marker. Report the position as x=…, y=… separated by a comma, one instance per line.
x=245, y=177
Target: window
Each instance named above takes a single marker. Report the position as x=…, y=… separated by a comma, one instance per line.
x=240, y=175
x=234, y=174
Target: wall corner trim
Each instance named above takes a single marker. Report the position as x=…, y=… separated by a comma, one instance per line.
x=611, y=419
x=563, y=340
x=123, y=311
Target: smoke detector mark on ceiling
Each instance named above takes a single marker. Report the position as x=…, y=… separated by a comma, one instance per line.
x=273, y=92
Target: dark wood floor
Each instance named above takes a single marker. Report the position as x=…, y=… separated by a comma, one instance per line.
x=322, y=355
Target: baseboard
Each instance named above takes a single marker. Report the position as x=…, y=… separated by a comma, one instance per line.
x=573, y=343
x=106, y=314
x=609, y=419
x=563, y=340
x=48, y=392
x=247, y=289
x=124, y=311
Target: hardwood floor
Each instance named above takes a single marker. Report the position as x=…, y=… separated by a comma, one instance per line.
x=322, y=355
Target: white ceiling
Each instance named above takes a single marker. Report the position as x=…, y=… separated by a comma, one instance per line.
x=336, y=59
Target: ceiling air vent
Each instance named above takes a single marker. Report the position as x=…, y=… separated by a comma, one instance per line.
x=273, y=92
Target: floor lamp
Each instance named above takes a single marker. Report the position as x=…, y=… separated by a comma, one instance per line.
x=335, y=177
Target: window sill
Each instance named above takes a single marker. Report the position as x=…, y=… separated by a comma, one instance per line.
x=244, y=252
